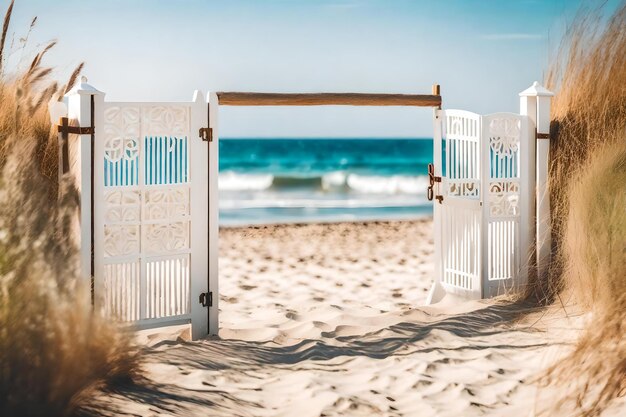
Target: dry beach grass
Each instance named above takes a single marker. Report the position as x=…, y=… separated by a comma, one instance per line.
x=588, y=112
x=53, y=348
x=588, y=190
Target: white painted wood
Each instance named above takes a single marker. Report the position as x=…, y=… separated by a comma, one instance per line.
x=486, y=217
x=437, y=292
x=199, y=159
x=151, y=205
x=544, y=240
x=528, y=108
x=463, y=203
x=213, y=212
x=460, y=212
x=79, y=110
x=150, y=155
x=535, y=101
x=503, y=201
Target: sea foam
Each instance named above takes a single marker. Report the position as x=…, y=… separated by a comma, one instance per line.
x=332, y=181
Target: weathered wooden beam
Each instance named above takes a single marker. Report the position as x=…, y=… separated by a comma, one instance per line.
x=326, y=99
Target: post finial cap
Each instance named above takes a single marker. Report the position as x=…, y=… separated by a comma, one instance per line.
x=536, y=90
x=82, y=87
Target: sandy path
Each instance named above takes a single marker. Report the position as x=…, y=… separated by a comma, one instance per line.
x=321, y=321
x=295, y=281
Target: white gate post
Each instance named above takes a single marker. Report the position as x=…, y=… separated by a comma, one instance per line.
x=199, y=205
x=527, y=171
x=213, y=170
x=437, y=292
x=79, y=100
x=535, y=102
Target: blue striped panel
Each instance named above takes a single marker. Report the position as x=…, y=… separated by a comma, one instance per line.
x=166, y=160
x=123, y=172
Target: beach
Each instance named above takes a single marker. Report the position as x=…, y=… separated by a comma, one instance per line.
x=329, y=208
x=284, y=282
x=328, y=320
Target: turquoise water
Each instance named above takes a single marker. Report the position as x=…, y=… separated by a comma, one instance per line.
x=322, y=180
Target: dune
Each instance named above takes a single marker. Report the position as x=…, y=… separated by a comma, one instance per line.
x=327, y=320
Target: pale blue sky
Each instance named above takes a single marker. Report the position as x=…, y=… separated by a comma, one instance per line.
x=483, y=53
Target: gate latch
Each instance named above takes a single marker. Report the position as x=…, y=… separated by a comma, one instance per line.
x=432, y=179
x=206, y=299
x=206, y=134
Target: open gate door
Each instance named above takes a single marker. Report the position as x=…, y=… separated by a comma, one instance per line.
x=508, y=150
x=151, y=201
x=483, y=202
x=458, y=203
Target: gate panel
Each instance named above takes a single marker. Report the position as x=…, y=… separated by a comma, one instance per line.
x=460, y=209
x=484, y=223
x=144, y=209
x=504, y=166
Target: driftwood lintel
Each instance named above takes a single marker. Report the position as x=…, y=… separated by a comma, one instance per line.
x=327, y=99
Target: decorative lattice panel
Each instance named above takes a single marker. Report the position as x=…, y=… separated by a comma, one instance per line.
x=461, y=212
x=145, y=200
x=462, y=150
x=502, y=136
x=484, y=210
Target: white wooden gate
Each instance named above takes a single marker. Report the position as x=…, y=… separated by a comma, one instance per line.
x=152, y=221
x=483, y=201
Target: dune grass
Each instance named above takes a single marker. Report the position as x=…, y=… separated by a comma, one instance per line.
x=588, y=193
x=594, y=277
x=53, y=348
x=589, y=111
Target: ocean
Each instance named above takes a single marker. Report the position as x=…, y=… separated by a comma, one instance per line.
x=268, y=181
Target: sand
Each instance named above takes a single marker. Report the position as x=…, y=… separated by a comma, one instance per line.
x=325, y=320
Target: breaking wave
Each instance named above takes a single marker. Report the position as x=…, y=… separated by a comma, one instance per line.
x=332, y=181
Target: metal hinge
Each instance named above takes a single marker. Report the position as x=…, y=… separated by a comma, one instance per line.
x=206, y=299
x=206, y=134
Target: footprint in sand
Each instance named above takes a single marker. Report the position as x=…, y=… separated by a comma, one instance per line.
x=247, y=287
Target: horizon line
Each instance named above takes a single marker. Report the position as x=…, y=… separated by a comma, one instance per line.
x=329, y=137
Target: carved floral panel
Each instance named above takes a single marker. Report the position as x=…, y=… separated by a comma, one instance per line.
x=504, y=136
x=165, y=120
x=166, y=203
x=463, y=189
x=122, y=206
x=504, y=198
x=147, y=220
x=166, y=237
x=122, y=130
x=121, y=239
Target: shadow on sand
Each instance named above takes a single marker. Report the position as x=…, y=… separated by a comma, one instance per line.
x=244, y=357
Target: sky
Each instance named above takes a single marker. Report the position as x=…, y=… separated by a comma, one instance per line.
x=481, y=52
